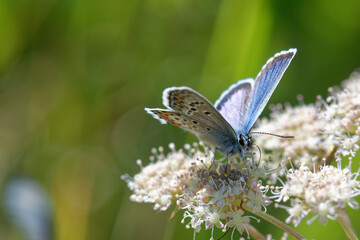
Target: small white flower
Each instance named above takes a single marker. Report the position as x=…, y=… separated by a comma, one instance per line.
x=349, y=146
x=297, y=212
x=213, y=218
x=238, y=220
x=218, y=196
x=257, y=201
x=324, y=209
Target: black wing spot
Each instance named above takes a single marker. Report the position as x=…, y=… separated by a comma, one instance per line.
x=208, y=129
x=195, y=122
x=207, y=113
x=193, y=109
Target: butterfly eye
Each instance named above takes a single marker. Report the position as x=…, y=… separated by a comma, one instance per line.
x=241, y=140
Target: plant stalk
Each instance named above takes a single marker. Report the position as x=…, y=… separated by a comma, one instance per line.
x=254, y=233
x=276, y=222
x=345, y=223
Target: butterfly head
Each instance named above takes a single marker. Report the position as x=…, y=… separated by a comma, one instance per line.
x=245, y=143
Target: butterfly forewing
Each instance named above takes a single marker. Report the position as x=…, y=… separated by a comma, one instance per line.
x=265, y=84
x=233, y=103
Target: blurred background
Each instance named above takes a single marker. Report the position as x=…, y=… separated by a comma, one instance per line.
x=75, y=77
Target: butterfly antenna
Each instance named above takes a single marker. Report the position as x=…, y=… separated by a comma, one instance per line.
x=272, y=134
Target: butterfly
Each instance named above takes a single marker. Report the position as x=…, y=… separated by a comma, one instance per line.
x=225, y=125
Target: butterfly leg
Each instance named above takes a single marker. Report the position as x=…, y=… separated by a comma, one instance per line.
x=242, y=155
x=246, y=166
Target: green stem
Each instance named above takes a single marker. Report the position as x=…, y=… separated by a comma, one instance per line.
x=276, y=222
x=330, y=155
x=254, y=233
x=345, y=223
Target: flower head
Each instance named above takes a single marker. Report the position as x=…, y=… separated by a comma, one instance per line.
x=321, y=192
x=331, y=127
x=303, y=123
x=158, y=181
x=211, y=196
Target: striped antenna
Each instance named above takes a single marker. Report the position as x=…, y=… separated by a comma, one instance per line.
x=272, y=134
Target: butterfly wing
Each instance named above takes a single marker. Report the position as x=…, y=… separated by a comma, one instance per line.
x=265, y=84
x=207, y=134
x=197, y=115
x=233, y=103
x=194, y=105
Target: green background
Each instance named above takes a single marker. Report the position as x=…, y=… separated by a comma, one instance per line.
x=75, y=76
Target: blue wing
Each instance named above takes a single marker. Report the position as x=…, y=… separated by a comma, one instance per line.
x=233, y=103
x=264, y=85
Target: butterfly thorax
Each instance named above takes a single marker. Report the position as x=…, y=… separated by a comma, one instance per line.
x=239, y=147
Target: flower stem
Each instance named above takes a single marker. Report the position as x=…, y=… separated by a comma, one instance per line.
x=330, y=155
x=276, y=222
x=254, y=232
x=345, y=223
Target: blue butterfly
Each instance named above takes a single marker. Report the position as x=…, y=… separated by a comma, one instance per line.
x=226, y=125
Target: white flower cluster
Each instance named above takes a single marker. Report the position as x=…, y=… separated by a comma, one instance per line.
x=212, y=196
x=325, y=131
x=322, y=130
x=322, y=192
x=342, y=115
x=303, y=123
x=215, y=197
x=158, y=182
